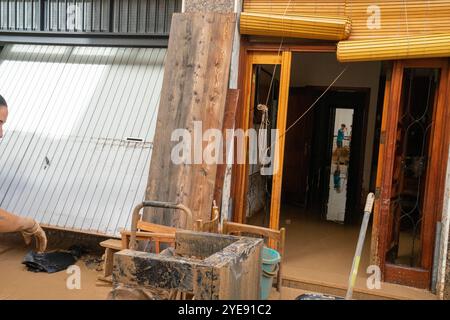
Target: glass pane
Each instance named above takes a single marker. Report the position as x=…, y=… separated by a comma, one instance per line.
x=410, y=164
x=263, y=120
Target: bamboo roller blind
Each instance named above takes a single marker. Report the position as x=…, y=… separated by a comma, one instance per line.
x=398, y=18
x=394, y=49
x=325, y=28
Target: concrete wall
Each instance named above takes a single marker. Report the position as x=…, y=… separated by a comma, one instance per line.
x=209, y=5
x=320, y=69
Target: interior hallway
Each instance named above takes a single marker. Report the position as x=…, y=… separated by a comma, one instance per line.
x=317, y=248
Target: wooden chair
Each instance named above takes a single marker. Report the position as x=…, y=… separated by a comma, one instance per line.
x=146, y=233
x=111, y=246
x=141, y=230
x=152, y=232
x=277, y=236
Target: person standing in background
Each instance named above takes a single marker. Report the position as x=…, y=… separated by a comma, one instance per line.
x=341, y=136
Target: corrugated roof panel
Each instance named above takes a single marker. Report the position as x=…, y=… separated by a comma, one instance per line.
x=66, y=160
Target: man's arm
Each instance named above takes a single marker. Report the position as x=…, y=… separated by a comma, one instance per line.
x=29, y=228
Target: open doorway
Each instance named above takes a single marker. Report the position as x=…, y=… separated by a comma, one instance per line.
x=326, y=167
x=323, y=180
x=339, y=164
x=324, y=156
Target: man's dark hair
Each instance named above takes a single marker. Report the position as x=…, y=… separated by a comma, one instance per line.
x=3, y=102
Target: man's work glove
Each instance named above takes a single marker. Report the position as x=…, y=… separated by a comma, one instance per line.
x=39, y=234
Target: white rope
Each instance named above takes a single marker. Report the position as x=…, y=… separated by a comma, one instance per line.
x=317, y=100
x=262, y=132
x=278, y=54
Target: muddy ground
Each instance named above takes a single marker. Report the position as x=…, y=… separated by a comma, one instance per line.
x=16, y=282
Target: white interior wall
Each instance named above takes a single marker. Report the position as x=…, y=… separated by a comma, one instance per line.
x=320, y=69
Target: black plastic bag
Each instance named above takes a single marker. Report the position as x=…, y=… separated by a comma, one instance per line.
x=52, y=262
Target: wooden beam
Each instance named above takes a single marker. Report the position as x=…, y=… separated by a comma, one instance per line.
x=392, y=114
x=279, y=155
x=228, y=123
x=194, y=89
x=375, y=257
x=434, y=191
x=240, y=171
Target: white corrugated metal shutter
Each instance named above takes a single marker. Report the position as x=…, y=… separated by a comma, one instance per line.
x=65, y=159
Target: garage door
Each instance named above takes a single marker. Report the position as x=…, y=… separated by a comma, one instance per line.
x=77, y=144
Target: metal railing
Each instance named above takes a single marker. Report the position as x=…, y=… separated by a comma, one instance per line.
x=124, y=17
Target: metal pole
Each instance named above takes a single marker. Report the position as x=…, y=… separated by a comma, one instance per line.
x=41, y=15
x=359, y=246
x=111, y=15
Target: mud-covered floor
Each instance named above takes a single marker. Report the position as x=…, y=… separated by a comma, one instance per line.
x=16, y=283
x=321, y=252
x=320, y=248
x=316, y=249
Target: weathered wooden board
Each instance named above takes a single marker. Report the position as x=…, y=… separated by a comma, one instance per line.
x=194, y=89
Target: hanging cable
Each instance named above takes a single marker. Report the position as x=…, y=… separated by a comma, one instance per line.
x=262, y=131
x=278, y=54
x=311, y=107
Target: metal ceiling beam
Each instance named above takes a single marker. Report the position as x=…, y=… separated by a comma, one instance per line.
x=84, y=39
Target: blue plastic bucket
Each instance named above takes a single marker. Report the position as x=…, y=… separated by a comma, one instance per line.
x=270, y=260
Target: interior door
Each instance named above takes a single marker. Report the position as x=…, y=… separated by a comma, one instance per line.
x=299, y=143
x=410, y=185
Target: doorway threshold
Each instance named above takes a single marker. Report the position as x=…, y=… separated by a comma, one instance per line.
x=336, y=285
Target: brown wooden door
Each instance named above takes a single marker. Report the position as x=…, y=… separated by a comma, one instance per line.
x=299, y=141
x=414, y=145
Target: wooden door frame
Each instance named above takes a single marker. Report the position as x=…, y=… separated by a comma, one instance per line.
x=283, y=59
x=263, y=53
x=434, y=189
x=364, y=118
